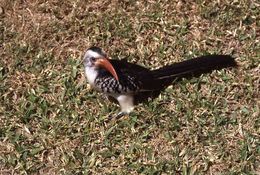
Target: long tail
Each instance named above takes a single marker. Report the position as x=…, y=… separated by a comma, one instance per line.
x=194, y=67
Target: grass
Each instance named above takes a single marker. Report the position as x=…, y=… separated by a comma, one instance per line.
x=53, y=123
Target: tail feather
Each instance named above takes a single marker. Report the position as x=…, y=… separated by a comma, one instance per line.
x=164, y=76
x=193, y=67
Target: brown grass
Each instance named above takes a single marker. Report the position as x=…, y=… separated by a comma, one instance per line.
x=52, y=123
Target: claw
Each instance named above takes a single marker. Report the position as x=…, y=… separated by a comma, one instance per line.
x=117, y=116
x=121, y=114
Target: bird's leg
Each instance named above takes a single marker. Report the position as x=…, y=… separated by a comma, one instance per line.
x=126, y=103
x=116, y=116
x=120, y=114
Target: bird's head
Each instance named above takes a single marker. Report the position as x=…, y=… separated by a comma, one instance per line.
x=96, y=58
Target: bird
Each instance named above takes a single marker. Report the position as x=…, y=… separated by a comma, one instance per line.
x=128, y=83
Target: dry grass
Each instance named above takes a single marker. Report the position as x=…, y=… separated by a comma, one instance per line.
x=52, y=123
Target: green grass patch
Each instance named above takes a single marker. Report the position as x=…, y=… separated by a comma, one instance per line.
x=53, y=123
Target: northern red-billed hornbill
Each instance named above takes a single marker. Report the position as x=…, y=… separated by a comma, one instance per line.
x=129, y=83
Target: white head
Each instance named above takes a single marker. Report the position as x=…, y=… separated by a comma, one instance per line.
x=94, y=59
x=91, y=56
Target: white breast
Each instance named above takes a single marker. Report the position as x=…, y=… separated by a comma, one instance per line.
x=91, y=75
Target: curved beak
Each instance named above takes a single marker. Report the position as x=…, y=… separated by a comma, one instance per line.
x=108, y=66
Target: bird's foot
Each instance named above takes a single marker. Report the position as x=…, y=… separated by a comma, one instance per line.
x=117, y=116
x=121, y=114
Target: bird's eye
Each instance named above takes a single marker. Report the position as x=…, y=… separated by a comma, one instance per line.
x=92, y=59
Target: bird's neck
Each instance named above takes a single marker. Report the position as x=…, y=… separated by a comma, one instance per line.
x=91, y=74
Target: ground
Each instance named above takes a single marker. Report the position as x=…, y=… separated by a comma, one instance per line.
x=53, y=123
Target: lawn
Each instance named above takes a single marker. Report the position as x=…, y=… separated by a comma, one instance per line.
x=52, y=122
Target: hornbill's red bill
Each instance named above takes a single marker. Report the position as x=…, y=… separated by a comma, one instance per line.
x=108, y=66
x=128, y=83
